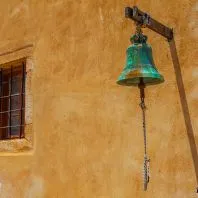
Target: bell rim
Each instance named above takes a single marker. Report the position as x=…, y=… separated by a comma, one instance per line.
x=155, y=80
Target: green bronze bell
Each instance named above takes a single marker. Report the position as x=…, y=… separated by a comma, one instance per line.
x=139, y=64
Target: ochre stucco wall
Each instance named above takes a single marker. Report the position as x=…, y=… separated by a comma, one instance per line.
x=88, y=135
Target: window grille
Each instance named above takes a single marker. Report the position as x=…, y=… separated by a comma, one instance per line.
x=12, y=101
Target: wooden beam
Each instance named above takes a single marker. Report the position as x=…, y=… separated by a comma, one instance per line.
x=143, y=18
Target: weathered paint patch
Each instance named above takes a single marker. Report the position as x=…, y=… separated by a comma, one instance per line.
x=36, y=187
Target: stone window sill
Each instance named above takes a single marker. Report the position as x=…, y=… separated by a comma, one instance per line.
x=18, y=146
x=15, y=146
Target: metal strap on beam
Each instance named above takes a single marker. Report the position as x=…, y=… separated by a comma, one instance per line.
x=143, y=18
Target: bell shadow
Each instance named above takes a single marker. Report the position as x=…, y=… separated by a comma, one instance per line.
x=184, y=104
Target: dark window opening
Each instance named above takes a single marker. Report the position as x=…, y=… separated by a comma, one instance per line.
x=12, y=102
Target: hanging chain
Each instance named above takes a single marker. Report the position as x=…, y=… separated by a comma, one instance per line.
x=139, y=37
x=146, y=159
x=138, y=29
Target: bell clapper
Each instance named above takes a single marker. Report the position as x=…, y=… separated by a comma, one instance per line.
x=146, y=176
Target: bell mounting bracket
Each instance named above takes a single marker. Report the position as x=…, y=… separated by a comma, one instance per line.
x=145, y=20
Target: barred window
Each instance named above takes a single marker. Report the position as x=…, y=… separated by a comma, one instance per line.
x=12, y=101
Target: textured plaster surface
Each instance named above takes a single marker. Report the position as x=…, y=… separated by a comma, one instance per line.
x=88, y=135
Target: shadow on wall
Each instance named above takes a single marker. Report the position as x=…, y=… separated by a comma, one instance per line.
x=184, y=104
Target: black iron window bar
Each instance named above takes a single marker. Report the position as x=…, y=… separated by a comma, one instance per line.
x=12, y=102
